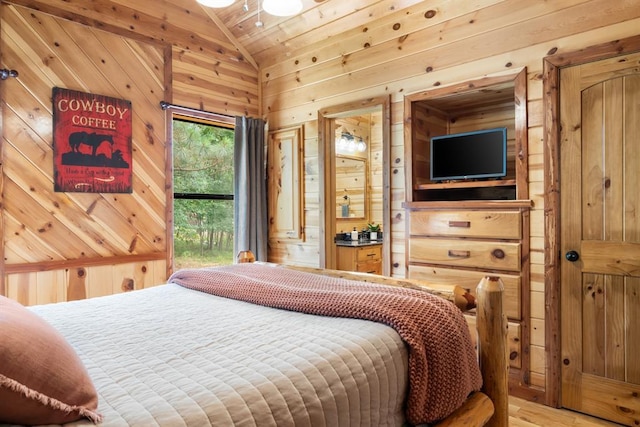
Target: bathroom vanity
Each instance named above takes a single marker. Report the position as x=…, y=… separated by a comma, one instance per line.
x=363, y=256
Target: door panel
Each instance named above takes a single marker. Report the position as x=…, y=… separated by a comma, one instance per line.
x=600, y=195
x=632, y=338
x=610, y=256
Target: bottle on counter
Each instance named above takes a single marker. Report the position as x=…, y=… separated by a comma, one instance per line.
x=354, y=235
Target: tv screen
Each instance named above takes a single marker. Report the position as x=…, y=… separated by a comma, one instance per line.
x=469, y=155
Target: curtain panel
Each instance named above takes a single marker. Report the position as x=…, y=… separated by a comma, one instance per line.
x=250, y=188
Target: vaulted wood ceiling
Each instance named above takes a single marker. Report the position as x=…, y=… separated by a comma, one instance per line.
x=320, y=20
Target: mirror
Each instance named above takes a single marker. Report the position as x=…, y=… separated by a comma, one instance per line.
x=356, y=130
x=351, y=188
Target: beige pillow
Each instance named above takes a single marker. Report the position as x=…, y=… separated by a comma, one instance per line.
x=42, y=379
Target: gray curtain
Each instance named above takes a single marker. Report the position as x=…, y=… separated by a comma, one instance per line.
x=250, y=188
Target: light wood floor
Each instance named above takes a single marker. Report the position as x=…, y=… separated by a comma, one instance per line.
x=528, y=414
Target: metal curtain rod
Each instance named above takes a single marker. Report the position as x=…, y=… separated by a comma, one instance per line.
x=222, y=117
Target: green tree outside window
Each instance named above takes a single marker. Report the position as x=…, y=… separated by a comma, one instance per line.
x=203, y=194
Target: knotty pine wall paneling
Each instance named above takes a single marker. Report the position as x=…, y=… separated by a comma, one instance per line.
x=207, y=71
x=59, y=246
x=75, y=226
x=431, y=45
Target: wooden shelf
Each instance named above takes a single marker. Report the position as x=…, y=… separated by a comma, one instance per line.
x=471, y=204
x=467, y=184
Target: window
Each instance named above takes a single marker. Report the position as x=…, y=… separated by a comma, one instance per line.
x=203, y=192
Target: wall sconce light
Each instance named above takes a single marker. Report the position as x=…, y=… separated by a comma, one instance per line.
x=350, y=143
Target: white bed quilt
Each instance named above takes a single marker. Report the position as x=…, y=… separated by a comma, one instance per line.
x=170, y=356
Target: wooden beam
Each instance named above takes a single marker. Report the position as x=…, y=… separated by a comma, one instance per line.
x=230, y=36
x=168, y=163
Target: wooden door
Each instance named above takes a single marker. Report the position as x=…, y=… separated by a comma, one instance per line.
x=600, y=238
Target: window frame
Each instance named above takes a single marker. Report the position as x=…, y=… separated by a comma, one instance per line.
x=177, y=112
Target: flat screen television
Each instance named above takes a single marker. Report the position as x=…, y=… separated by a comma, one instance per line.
x=469, y=155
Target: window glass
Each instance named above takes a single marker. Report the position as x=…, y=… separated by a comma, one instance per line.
x=203, y=194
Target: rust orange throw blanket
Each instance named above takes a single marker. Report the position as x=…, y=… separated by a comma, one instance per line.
x=442, y=361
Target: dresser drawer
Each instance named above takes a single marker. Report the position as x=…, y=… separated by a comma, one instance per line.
x=469, y=280
x=374, y=267
x=465, y=253
x=463, y=223
x=370, y=253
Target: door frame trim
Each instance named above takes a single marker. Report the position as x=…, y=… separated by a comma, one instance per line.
x=552, y=65
x=326, y=167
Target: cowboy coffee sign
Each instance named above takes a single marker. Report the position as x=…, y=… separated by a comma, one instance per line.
x=91, y=142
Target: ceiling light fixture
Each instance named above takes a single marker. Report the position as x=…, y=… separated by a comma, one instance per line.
x=273, y=7
x=216, y=3
x=282, y=7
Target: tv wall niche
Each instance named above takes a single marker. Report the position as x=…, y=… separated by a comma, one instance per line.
x=468, y=107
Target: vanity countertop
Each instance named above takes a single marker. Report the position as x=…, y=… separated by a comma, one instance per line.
x=358, y=243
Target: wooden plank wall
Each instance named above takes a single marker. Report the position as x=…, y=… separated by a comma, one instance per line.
x=430, y=45
x=60, y=246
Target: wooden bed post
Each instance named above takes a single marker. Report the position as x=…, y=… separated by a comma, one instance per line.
x=492, y=343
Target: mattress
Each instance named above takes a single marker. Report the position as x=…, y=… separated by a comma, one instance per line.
x=172, y=356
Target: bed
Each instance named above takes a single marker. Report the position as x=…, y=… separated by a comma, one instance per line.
x=241, y=346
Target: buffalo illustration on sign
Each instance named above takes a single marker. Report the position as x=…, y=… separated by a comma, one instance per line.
x=92, y=142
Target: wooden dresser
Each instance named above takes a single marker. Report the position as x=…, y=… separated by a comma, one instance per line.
x=461, y=245
x=461, y=229
x=366, y=258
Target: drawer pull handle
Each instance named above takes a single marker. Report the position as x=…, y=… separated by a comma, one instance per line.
x=373, y=254
x=498, y=253
x=459, y=224
x=458, y=254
